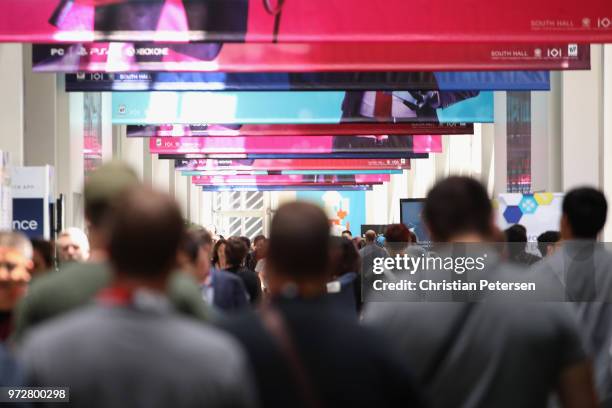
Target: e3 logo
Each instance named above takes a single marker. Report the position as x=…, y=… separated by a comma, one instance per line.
x=604, y=22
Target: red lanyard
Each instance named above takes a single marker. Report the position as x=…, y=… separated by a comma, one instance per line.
x=116, y=296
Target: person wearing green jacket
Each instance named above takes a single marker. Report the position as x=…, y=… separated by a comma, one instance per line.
x=77, y=284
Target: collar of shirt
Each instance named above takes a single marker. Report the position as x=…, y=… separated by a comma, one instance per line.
x=140, y=299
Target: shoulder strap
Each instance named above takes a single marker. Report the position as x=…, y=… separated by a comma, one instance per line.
x=442, y=353
x=275, y=324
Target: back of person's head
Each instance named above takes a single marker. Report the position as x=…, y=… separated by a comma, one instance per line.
x=145, y=232
x=42, y=255
x=202, y=236
x=457, y=206
x=547, y=239
x=397, y=233
x=516, y=233
x=195, y=239
x=585, y=211
x=219, y=252
x=194, y=253
x=370, y=236
x=103, y=186
x=236, y=251
x=246, y=241
x=344, y=257
x=299, y=242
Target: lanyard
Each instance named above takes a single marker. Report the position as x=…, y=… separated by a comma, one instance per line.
x=116, y=296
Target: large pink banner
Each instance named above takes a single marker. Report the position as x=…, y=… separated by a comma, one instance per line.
x=314, y=57
x=588, y=21
x=343, y=129
x=292, y=164
x=290, y=180
x=294, y=144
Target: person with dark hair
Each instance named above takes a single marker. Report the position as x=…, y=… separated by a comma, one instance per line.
x=469, y=354
x=235, y=256
x=516, y=237
x=584, y=268
x=218, y=256
x=160, y=371
x=257, y=254
x=300, y=344
x=220, y=289
x=347, y=234
x=42, y=257
x=75, y=284
x=397, y=239
x=584, y=214
x=397, y=233
x=547, y=242
x=345, y=284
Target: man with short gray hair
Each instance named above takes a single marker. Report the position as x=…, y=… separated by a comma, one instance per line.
x=15, y=266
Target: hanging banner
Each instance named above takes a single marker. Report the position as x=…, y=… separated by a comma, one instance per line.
x=291, y=164
x=304, y=21
x=254, y=156
x=193, y=81
x=238, y=173
x=291, y=179
x=294, y=144
x=301, y=107
x=313, y=57
x=344, y=129
x=358, y=187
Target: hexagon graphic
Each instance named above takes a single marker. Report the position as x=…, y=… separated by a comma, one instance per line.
x=528, y=204
x=543, y=198
x=513, y=214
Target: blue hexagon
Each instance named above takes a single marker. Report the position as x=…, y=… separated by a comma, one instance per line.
x=528, y=204
x=513, y=214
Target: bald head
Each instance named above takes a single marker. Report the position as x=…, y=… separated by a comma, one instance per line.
x=299, y=242
x=370, y=236
x=145, y=231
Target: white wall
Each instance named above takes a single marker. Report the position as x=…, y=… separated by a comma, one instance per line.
x=11, y=102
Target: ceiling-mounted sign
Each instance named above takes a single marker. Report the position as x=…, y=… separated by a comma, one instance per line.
x=305, y=21
x=356, y=187
x=344, y=129
x=291, y=164
x=151, y=108
x=204, y=81
x=273, y=156
x=311, y=57
x=294, y=144
x=291, y=179
x=286, y=172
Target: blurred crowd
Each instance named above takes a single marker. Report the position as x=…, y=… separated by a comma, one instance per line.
x=146, y=311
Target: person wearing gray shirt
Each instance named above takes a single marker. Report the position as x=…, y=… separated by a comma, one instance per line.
x=490, y=353
x=132, y=349
x=583, y=268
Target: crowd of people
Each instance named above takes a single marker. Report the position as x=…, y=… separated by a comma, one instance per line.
x=145, y=311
